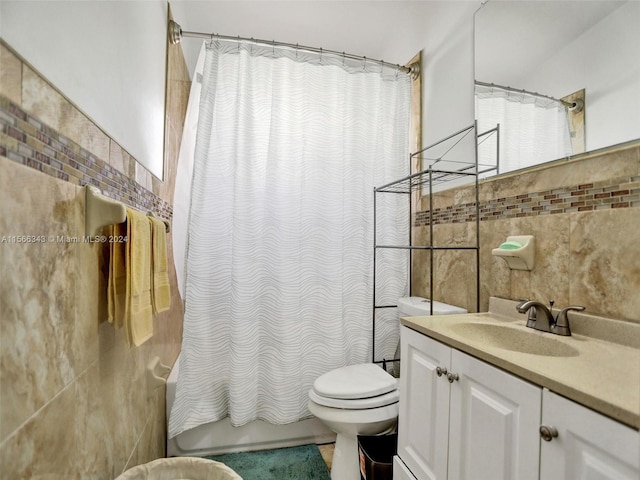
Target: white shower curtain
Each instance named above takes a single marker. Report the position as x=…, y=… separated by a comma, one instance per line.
x=278, y=269
x=533, y=129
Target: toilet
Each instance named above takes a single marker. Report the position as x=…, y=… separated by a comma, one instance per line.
x=363, y=399
x=354, y=400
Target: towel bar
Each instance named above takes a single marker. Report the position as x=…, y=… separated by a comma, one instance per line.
x=101, y=211
x=166, y=223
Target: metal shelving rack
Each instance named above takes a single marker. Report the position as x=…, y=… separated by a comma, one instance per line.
x=442, y=171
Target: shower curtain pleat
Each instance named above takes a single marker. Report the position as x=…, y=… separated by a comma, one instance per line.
x=278, y=264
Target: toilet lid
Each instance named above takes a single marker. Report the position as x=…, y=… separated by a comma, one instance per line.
x=354, y=382
x=356, y=404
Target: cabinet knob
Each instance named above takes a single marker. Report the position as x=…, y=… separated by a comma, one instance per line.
x=548, y=433
x=452, y=377
x=441, y=371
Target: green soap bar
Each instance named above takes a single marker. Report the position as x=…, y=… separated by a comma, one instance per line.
x=510, y=246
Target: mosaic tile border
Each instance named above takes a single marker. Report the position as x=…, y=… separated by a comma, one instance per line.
x=613, y=193
x=26, y=140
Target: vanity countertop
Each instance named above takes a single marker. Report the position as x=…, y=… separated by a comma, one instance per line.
x=603, y=374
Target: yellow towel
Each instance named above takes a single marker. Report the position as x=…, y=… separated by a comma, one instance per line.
x=160, y=288
x=139, y=316
x=117, y=286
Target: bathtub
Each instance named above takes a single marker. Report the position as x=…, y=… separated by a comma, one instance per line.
x=221, y=437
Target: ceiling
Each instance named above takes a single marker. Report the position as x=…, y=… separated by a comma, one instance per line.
x=393, y=30
x=378, y=29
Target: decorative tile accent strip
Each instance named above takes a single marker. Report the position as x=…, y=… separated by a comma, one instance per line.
x=613, y=193
x=28, y=141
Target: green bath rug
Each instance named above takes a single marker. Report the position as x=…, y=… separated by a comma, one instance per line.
x=293, y=463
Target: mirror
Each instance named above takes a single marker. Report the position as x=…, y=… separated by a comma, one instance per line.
x=558, y=48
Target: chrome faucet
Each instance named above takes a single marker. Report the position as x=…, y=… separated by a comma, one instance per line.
x=541, y=318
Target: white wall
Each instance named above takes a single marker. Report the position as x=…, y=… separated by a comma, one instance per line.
x=107, y=57
x=444, y=31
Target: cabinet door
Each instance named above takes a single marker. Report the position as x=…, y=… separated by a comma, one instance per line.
x=588, y=446
x=423, y=427
x=495, y=420
x=400, y=470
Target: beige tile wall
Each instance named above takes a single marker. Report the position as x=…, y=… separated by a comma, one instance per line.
x=74, y=400
x=587, y=251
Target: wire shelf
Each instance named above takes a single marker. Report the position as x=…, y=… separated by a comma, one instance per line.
x=426, y=177
x=441, y=165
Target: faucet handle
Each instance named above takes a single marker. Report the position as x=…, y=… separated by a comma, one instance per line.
x=562, y=323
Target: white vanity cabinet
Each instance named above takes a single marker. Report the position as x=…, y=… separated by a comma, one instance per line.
x=588, y=445
x=463, y=419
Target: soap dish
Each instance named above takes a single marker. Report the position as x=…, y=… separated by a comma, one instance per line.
x=518, y=251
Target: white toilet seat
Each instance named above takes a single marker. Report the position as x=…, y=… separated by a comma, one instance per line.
x=356, y=404
x=355, y=387
x=364, y=380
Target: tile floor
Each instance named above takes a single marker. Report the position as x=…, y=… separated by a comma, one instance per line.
x=326, y=451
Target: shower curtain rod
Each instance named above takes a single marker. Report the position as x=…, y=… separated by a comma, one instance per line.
x=575, y=107
x=176, y=34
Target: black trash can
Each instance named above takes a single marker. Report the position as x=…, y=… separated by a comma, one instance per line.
x=376, y=456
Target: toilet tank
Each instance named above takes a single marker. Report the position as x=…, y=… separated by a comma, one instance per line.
x=419, y=306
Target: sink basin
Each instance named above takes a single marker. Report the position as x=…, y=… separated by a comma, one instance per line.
x=515, y=339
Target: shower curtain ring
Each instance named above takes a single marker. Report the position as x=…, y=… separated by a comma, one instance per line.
x=343, y=59
x=273, y=46
x=296, y=51
x=364, y=63
x=320, y=55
